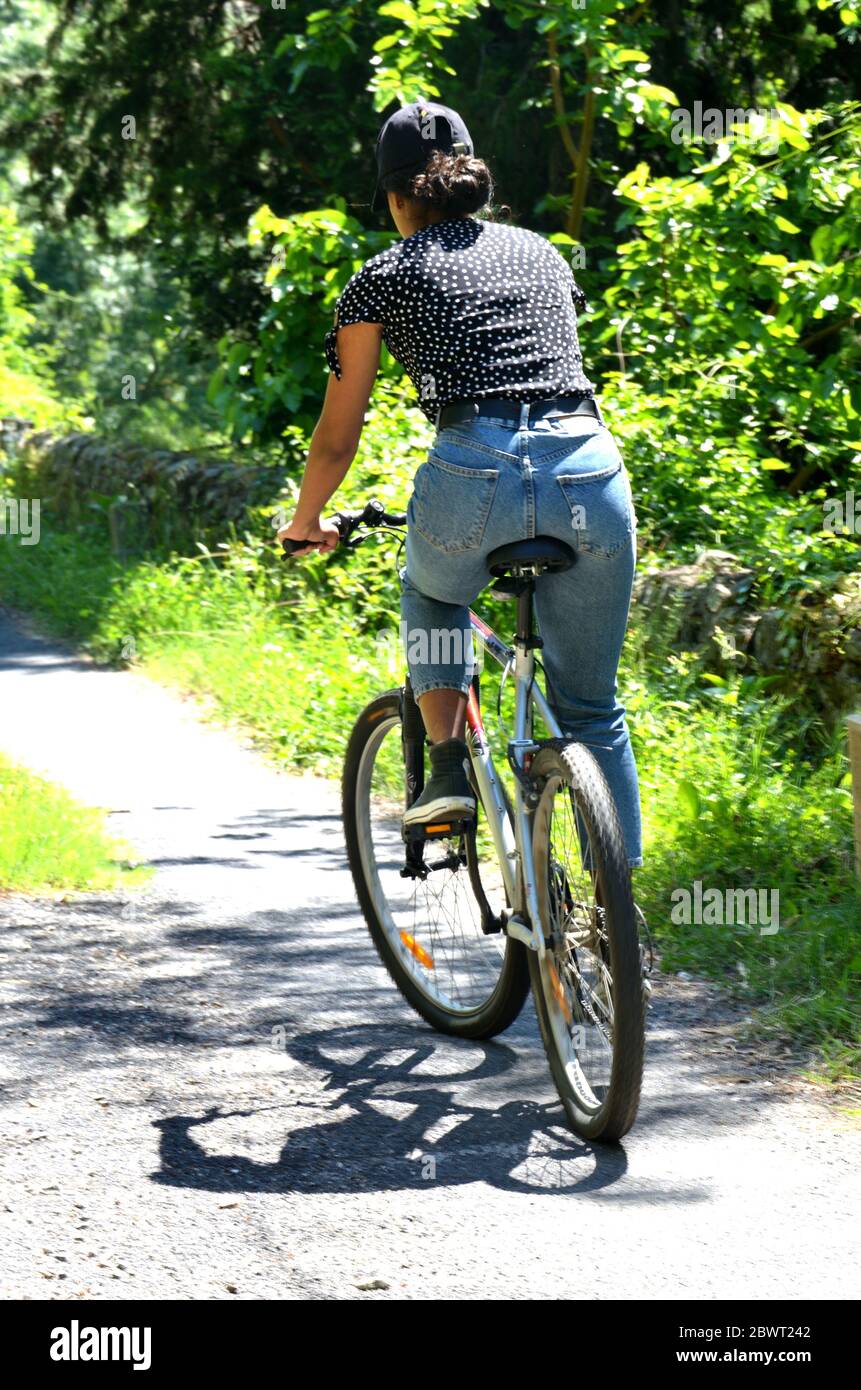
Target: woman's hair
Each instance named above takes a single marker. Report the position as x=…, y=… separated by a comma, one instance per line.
x=453, y=183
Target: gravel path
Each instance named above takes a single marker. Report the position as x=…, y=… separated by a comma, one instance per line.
x=211, y=1089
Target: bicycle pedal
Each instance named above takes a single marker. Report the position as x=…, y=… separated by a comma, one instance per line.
x=437, y=830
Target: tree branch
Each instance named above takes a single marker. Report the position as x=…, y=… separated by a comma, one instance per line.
x=825, y=332
x=559, y=100
x=581, y=173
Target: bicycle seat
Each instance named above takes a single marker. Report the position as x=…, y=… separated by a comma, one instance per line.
x=540, y=555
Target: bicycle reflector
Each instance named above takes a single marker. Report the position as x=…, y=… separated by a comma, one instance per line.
x=416, y=950
x=559, y=993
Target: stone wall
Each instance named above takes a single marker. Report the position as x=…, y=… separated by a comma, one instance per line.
x=812, y=642
x=150, y=498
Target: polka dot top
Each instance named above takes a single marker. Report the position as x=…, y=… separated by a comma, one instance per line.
x=471, y=309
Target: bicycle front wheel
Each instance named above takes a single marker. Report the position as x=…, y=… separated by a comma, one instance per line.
x=428, y=925
x=588, y=989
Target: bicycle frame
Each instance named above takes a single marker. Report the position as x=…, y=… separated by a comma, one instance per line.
x=513, y=845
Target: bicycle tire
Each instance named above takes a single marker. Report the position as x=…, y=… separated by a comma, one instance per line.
x=572, y=767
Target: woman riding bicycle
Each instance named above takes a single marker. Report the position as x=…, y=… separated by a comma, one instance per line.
x=482, y=315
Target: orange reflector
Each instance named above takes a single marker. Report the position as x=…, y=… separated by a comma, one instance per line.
x=559, y=993
x=416, y=950
x=437, y=827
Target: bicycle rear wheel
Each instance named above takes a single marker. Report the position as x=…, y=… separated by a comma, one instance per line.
x=588, y=989
x=427, y=926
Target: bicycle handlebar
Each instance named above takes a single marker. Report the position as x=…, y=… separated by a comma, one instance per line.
x=373, y=514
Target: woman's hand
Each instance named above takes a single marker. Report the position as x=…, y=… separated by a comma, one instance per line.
x=320, y=534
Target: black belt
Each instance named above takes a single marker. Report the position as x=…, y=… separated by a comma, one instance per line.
x=503, y=408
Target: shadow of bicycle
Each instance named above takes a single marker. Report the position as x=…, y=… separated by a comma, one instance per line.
x=399, y=1111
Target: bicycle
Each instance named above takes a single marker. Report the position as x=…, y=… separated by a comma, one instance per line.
x=533, y=890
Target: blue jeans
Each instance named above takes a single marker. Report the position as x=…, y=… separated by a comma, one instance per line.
x=488, y=482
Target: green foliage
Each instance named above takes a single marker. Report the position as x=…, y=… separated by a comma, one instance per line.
x=409, y=61
x=121, y=331
x=15, y=247
x=731, y=354
x=142, y=242
x=395, y=437
x=26, y=387
x=238, y=106
x=50, y=842
x=730, y=802
x=277, y=377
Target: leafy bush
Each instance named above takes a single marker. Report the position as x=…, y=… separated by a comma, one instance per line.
x=275, y=379
x=731, y=366
x=26, y=387
x=731, y=803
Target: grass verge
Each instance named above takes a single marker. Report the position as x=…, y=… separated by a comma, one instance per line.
x=49, y=842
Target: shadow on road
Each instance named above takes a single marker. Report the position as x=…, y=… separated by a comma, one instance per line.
x=400, y=1111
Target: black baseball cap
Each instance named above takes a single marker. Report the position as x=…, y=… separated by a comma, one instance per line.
x=408, y=136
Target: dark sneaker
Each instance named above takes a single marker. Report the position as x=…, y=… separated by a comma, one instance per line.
x=448, y=794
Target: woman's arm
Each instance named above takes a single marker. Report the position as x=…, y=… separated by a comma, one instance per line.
x=336, y=435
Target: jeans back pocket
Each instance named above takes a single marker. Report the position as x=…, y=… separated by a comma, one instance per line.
x=451, y=503
x=600, y=503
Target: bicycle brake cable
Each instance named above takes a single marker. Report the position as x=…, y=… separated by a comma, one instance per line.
x=366, y=535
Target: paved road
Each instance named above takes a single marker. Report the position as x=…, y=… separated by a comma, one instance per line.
x=213, y=1091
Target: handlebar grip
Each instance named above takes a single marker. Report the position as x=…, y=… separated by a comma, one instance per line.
x=373, y=514
x=345, y=522
x=290, y=547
